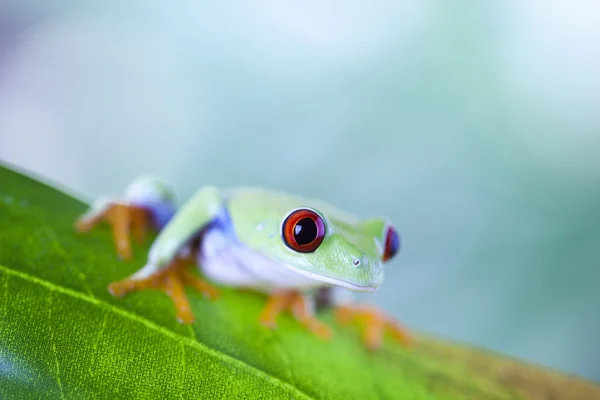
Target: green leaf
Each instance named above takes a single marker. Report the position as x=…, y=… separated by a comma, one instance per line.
x=63, y=336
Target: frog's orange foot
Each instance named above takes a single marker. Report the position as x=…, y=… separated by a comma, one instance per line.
x=124, y=219
x=171, y=281
x=295, y=302
x=374, y=325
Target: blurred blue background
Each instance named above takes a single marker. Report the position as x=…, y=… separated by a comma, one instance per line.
x=473, y=126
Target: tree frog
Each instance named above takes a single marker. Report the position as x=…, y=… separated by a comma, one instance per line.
x=288, y=247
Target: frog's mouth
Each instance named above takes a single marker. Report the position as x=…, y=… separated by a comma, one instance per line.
x=373, y=286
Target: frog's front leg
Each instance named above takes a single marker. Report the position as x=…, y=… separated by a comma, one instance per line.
x=170, y=280
x=173, y=250
x=373, y=323
x=301, y=308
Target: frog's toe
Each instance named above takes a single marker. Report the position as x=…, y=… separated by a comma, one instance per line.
x=170, y=280
x=318, y=328
x=303, y=314
x=172, y=285
x=278, y=302
x=400, y=333
x=119, y=216
x=374, y=326
x=84, y=225
x=120, y=289
x=207, y=290
x=297, y=303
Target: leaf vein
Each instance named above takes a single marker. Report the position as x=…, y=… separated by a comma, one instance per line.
x=5, y=297
x=153, y=326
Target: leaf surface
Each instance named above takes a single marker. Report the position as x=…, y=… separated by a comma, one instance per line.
x=62, y=335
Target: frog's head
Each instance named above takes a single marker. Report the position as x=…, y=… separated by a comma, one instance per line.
x=333, y=250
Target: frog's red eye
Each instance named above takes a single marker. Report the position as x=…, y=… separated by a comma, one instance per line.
x=392, y=244
x=303, y=231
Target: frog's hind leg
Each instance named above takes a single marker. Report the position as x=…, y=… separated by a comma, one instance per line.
x=114, y=213
x=170, y=280
x=148, y=204
x=123, y=218
x=298, y=304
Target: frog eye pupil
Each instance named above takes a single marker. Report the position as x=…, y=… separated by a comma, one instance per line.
x=305, y=231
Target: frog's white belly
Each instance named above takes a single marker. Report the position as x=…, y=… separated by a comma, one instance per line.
x=233, y=264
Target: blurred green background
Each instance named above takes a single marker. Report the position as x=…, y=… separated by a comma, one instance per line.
x=473, y=126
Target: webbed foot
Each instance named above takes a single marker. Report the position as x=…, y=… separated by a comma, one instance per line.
x=125, y=220
x=148, y=204
x=298, y=304
x=374, y=325
x=170, y=280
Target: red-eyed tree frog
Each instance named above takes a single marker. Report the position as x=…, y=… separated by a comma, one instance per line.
x=285, y=246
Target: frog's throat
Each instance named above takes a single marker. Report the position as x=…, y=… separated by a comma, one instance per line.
x=359, y=288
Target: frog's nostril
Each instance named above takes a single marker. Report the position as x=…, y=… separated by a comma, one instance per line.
x=356, y=262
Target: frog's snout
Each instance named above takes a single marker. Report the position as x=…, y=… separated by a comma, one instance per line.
x=376, y=275
x=370, y=270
